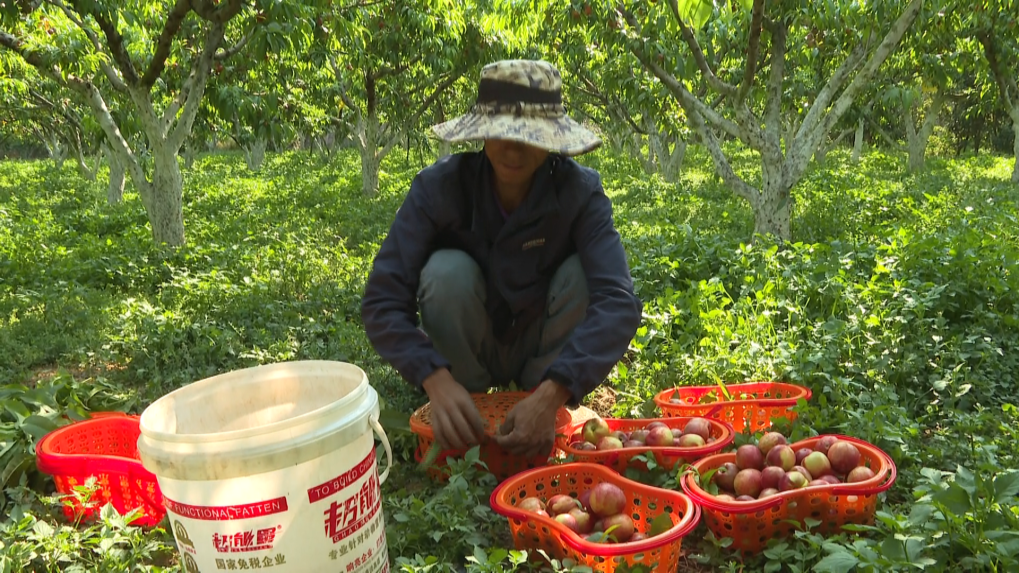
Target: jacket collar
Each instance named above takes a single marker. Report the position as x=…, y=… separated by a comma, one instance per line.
x=542, y=200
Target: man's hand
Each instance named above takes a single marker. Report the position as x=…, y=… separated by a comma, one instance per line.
x=455, y=419
x=529, y=429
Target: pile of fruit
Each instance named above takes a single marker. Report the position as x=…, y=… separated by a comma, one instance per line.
x=597, y=436
x=598, y=515
x=772, y=466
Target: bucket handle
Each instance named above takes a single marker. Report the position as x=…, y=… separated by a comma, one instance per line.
x=381, y=433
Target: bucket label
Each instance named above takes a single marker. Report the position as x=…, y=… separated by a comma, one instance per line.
x=342, y=481
x=229, y=512
x=364, y=558
x=339, y=527
x=242, y=541
x=346, y=516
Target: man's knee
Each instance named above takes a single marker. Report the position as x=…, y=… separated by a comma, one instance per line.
x=568, y=286
x=450, y=276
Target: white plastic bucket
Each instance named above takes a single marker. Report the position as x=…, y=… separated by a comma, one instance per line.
x=272, y=467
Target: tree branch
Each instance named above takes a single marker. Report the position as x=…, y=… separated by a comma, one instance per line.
x=114, y=41
x=835, y=83
x=753, y=135
x=753, y=47
x=115, y=80
x=884, y=49
x=773, y=102
x=439, y=89
x=739, y=187
x=612, y=108
x=227, y=53
x=217, y=14
x=690, y=103
x=33, y=58
x=698, y=54
x=1003, y=80
x=341, y=84
x=165, y=42
x=884, y=134
x=386, y=72
x=933, y=113
x=198, y=79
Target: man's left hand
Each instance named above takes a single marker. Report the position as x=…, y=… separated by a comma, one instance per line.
x=529, y=428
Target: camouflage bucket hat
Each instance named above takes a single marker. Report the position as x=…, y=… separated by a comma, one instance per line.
x=520, y=100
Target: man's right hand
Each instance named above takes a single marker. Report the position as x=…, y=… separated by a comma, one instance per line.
x=456, y=421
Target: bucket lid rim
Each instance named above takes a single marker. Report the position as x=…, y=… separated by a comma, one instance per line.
x=147, y=431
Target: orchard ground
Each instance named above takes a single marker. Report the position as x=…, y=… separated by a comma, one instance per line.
x=898, y=305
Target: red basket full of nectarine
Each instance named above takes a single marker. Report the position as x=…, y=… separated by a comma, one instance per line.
x=591, y=515
x=615, y=442
x=768, y=489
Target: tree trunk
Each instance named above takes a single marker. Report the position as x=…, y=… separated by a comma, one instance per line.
x=917, y=150
x=821, y=154
x=652, y=156
x=1015, y=142
x=670, y=161
x=89, y=173
x=774, y=205
x=56, y=149
x=163, y=198
x=115, y=190
x=371, y=155
x=444, y=149
x=917, y=140
x=190, y=152
x=773, y=215
x=254, y=153
x=858, y=143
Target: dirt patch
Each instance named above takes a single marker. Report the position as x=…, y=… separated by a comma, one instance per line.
x=602, y=401
x=79, y=372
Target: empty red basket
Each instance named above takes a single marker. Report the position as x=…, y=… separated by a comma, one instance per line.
x=104, y=447
x=764, y=402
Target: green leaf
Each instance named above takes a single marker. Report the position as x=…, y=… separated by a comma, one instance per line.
x=841, y=562
x=966, y=480
x=1009, y=548
x=430, y=456
x=38, y=426
x=955, y=499
x=43, y=529
x=480, y=556
x=17, y=408
x=19, y=460
x=920, y=513
x=1006, y=486
x=394, y=420
x=660, y=525
x=696, y=13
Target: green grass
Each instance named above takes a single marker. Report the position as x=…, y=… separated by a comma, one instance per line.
x=898, y=304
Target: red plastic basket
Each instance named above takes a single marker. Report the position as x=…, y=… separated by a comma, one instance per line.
x=770, y=400
x=751, y=524
x=104, y=447
x=534, y=532
x=493, y=409
x=667, y=457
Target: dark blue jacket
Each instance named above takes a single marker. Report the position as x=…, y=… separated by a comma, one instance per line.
x=451, y=205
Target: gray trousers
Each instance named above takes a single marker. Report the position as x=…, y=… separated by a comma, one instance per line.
x=451, y=298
